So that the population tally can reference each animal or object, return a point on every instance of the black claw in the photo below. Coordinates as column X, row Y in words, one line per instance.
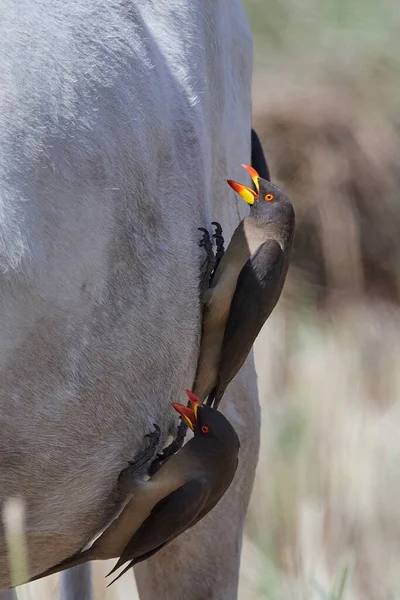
column 205, row 241
column 219, row 240
column 208, row 265
column 145, row 455
column 169, row 450
column 154, row 434
column 205, row 231
column 218, row 228
column 178, row 441
column 206, row 235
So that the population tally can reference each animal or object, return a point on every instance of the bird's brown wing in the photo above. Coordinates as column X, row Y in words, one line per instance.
column 258, row 289
column 169, row 518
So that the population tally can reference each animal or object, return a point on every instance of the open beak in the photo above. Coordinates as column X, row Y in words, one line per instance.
column 254, row 177
column 189, row 415
column 245, row 192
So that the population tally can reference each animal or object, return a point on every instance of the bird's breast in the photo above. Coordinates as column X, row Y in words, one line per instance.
column 255, row 235
column 114, row 539
column 220, row 297
column 245, row 241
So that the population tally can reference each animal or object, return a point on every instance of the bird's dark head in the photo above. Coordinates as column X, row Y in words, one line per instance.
column 268, row 202
column 207, row 422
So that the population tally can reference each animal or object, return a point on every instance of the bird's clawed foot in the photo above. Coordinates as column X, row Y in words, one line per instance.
column 169, row 450
column 143, row 456
column 208, row 266
column 207, row 244
column 211, row 262
column 219, row 240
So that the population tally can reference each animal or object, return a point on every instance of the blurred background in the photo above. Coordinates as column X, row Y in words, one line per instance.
column 324, row 520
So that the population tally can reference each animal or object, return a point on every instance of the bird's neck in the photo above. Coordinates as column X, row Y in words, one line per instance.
column 257, row 232
column 210, row 452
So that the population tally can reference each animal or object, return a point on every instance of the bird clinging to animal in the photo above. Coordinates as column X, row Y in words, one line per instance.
column 245, row 286
column 183, row 491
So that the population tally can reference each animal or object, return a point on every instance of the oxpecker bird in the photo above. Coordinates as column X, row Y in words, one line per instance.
column 183, row 491
column 245, row 286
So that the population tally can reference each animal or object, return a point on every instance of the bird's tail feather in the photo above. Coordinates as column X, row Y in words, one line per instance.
column 120, row 575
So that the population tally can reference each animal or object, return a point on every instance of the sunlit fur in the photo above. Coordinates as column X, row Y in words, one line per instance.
column 120, row 122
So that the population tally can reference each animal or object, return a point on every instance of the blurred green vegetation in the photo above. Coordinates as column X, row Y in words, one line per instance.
column 336, row 31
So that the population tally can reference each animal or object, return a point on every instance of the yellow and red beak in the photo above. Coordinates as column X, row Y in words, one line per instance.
column 189, row 415
column 245, row 192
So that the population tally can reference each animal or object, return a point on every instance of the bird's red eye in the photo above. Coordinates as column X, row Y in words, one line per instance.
column 204, row 429
column 269, row 197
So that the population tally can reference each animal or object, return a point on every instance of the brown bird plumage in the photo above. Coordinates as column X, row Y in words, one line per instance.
column 183, row 491
column 245, row 287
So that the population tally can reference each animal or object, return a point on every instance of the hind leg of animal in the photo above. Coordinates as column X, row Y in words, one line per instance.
column 203, row 563
column 76, row 583
column 8, row 594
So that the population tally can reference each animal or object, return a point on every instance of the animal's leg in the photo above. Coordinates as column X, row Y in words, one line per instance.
column 219, row 240
column 203, row 563
column 8, row 594
column 76, row 583
column 208, row 265
column 169, row 450
column 125, row 477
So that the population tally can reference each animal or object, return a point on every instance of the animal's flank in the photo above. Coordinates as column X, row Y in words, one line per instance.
column 116, row 139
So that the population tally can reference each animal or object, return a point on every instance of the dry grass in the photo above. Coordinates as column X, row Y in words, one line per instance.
column 325, row 501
